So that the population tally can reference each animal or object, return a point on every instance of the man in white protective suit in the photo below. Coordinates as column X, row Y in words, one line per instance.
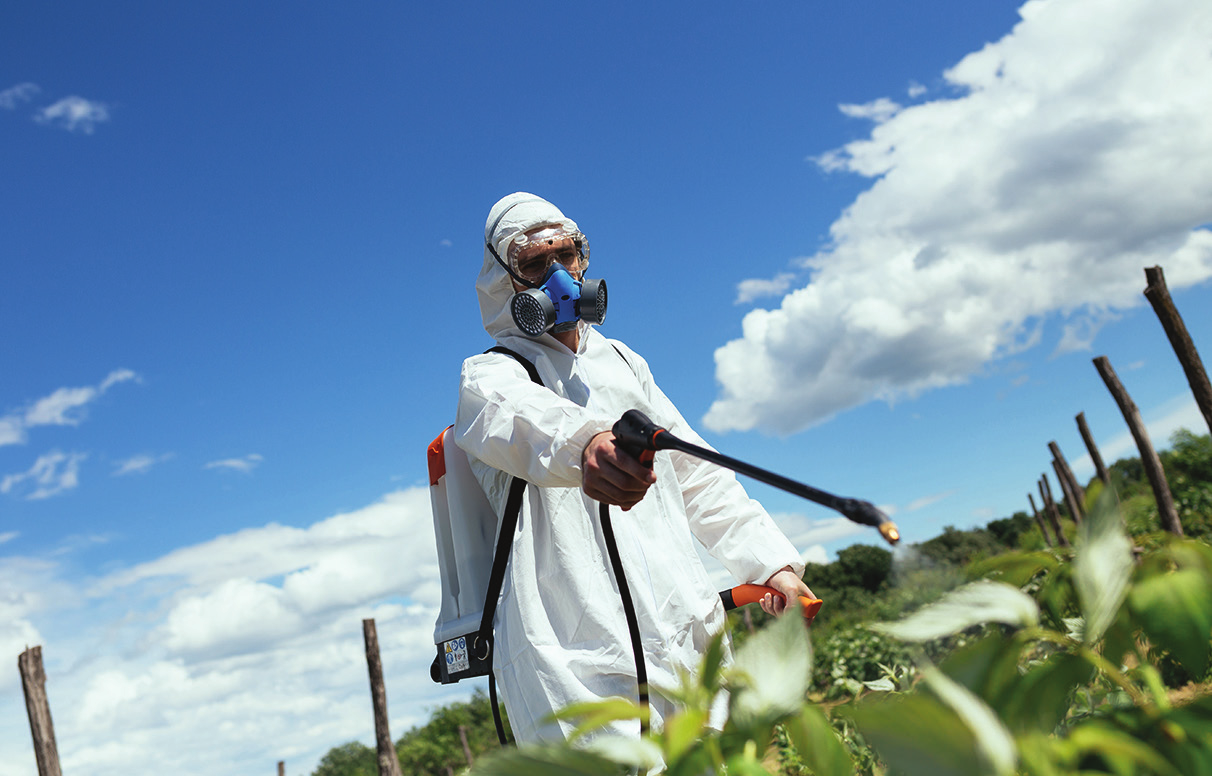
column 561, row 635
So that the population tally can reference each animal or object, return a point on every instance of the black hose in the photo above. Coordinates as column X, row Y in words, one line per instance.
column 633, row 625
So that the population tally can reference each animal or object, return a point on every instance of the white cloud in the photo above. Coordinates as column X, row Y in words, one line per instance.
column 749, row 290
column 244, row 465
column 75, row 114
column 254, row 636
column 62, row 407
column 139, row 464
column 52, row 474
column 925, row 501
column 11, row 97
column 878, row 111
column 1078, row 154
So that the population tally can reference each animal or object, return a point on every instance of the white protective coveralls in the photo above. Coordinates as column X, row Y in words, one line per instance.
column 561, row 636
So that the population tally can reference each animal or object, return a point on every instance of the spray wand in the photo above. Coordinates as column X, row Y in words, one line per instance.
column 640, row 437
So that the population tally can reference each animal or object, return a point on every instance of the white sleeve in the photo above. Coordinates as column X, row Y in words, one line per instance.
column 733, row 527
column 521, row 428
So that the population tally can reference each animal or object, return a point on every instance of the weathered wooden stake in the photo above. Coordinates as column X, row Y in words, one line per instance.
column 466, row 746
column 1039, row 520
column 389, row 763
column 1075, row 511
column 1197, row 377
column 1068, row 481
column 281, row 768
column 33, row 681
column 1148, row 456
column 1045, row 492
column 1092, row 448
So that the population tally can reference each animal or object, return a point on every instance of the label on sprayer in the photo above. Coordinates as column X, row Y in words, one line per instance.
column 456, row 655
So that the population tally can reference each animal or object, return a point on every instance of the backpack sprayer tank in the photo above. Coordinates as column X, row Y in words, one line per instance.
column 466, row 529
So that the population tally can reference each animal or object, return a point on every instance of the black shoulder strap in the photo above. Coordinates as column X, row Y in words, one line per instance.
column 500, row 557
column 509, row 519
column 525, row 362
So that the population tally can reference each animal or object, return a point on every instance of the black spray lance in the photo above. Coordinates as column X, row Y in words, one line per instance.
column 640, row 437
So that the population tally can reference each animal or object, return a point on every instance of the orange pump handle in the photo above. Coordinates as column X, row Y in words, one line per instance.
column 751, row 594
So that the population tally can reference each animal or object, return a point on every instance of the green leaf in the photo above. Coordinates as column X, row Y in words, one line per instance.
column 986, row 667
column 545, row 760
column 1039, row 700
column 641, row 753
column 1175, row 612
column 917, row 735
column 973, row 604
column 772, row 671
column 682, row 731
column 713, row 661
column 993, row 741
column 1014, row 568
column 1113, row 744
column 1102, row 566
column 599, row 714
column 817, row 744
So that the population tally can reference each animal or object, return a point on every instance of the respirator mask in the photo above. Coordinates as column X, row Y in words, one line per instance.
column 550, row 261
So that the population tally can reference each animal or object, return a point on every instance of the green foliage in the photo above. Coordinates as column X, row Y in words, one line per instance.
column 1075, row 674
column 958, row 548
column 352, row 759
column 1007, row 531
column 1046, row 673
column 435, row 745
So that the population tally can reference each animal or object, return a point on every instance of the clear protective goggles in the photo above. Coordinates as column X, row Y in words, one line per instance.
column 531, row 254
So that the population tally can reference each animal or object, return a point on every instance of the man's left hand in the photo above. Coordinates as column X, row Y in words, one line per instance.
column 792, row 587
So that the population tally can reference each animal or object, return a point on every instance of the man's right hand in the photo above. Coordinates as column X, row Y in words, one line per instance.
column 611, row 476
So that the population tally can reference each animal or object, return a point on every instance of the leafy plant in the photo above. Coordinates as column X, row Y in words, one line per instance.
column 1050, row 675
column 1062, row 684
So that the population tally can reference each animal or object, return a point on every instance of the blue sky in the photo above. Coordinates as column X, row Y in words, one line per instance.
column 872, row 246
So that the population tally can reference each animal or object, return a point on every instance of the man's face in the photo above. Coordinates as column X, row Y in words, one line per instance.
column 541, row 251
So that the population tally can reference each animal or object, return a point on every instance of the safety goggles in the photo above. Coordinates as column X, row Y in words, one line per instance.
column 532, row 254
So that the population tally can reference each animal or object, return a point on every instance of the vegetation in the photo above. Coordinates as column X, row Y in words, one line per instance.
column 981, row 652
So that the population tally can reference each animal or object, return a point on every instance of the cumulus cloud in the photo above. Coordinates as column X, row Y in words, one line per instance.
column 1076, row 153
column 254, row 636
column 243, row 465
column 75, row 114
column 52, row 474
column 13, row 96
column 63, row 407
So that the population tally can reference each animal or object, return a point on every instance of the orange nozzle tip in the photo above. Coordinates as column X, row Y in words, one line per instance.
column 889, row 531
column 811, row 607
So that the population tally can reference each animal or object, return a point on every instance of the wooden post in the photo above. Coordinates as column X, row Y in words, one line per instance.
column 281, row 768
column 1092, row 448
column 466, row 746
column 389, row 763
column 1067, row 479
column 1148, row 456
column 1075, row 510
column 1159, row 296
column 1039, row 520
column 33, row 681
column 1045, row 492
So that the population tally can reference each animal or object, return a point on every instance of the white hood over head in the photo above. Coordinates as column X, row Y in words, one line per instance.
column 510, row 216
